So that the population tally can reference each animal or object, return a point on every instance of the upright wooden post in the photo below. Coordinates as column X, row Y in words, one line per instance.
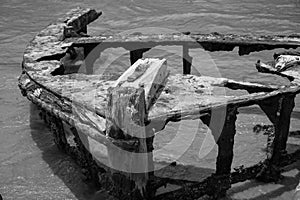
column 126, row 116
column 187, row 60
column 279, row 112
column 128, row 103
column 225, row 141
column 282, row 128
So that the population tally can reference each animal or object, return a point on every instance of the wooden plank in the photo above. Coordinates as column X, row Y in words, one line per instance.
column 210, row 42
column 292, row 72
column 49, row 43
column 183, row 96
column 149, row 73
column 126, row 117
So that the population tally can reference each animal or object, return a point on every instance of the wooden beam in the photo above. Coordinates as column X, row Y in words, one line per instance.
column 126, row 116
column 282, row 127
column 209, row 42
column 281, row 117
column 186, row 59
column 221, row 121
column 149, row 73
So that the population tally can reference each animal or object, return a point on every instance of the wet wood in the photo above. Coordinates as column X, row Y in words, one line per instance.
column 282, row 126
column 49, row 43
column 51, row 80
column 182, row 97
column 225, row 142
column 126, row 116
column 292, row 73
column 151, row 74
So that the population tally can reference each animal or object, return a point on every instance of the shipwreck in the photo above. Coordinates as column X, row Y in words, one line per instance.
column 121, row 114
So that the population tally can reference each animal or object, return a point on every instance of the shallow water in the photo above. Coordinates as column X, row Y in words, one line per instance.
column 32, row 167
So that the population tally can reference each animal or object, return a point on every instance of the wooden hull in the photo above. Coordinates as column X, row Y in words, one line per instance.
column 75, row 105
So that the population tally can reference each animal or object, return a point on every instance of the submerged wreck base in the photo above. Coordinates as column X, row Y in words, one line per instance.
column 215, row 186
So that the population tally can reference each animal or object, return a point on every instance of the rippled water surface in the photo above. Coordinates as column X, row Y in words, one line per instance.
column 31, row 167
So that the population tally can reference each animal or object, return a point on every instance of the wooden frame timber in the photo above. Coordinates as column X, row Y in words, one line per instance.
column 82, row 102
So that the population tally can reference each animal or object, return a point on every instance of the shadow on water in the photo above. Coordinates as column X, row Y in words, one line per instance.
column 60, row 163
column 65, row 168
column 284, row 189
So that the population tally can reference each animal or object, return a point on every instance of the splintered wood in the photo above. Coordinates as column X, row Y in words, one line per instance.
column 286, row 64
column 150, row 74
column 125, row 118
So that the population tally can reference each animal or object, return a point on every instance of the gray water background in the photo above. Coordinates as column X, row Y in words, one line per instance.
column 31, row 167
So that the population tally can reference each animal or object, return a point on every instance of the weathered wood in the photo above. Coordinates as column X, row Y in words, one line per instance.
column 49, row 43
column 279, row 111
column 85, row 120
column 151, row 74
column 81, row 100
column 126, row 116
column 210, row 42
column 71, row 62
column 282, row 126
column 225, row 142
column 183, row 96
column 223, row 131
column 187, row 60
column 37, row 50
column 292, row 72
